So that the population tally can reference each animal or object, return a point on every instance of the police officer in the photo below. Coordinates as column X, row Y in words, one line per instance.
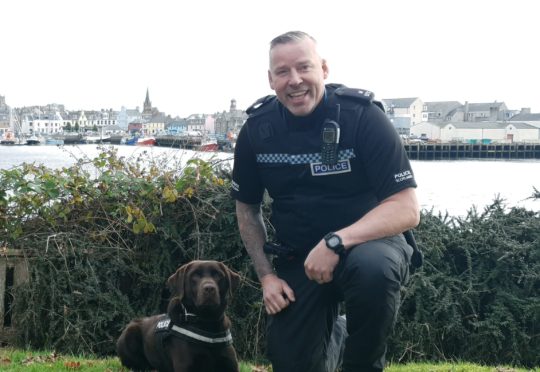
column 342, row 193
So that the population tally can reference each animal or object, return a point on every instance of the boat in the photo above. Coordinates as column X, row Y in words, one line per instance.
column 71, row 138
column 131, row 140
column 96, row 139
column 54, row 141
column 117, row 139
column 145, row 141
column 209, row 146
column 8, row 139
column 33, row 140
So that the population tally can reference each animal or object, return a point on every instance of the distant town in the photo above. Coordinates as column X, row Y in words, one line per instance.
column 414, row 119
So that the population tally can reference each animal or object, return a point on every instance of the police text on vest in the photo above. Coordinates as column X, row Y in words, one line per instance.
column 320, row 169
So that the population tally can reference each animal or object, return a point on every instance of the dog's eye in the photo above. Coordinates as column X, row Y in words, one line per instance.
column 217, row 275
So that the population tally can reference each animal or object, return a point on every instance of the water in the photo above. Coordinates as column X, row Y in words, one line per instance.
column 455, row 186
column 445, row 186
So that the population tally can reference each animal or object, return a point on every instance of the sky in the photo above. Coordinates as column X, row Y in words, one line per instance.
column 195, row 56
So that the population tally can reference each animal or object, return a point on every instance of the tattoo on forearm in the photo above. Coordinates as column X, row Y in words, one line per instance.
column 253, row 233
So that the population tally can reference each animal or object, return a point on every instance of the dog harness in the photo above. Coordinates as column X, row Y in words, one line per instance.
column 190, row 333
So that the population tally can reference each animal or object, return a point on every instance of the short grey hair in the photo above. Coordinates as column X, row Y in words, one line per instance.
column 290, row 37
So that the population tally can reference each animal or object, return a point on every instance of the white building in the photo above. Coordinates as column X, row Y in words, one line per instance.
column 525, row 116
column 43, row 124
column 100, row 119
column 196, row 123
column 126, row 116
column 404, row 107
column 442, row 111
column 486, row 132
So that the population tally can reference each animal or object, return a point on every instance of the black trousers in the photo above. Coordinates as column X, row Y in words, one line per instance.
column 309, row 336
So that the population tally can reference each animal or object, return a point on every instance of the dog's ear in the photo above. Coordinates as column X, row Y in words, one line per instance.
column 232, row 277
column 175, row 283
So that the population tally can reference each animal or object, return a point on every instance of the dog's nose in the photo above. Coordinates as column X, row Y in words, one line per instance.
column 209, row 288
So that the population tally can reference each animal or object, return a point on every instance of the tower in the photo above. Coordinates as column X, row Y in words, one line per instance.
column 147, row 106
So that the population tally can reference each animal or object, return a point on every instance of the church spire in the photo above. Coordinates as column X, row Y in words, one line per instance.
column 147, row 103
column 147, row 106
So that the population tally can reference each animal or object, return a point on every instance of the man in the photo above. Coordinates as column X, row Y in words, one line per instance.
column 342, row 194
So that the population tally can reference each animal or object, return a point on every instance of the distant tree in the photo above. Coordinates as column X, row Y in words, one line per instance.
column 94, row 128
column 76, row 127
column 68, row 128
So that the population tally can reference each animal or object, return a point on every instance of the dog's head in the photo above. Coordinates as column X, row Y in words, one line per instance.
column 202, row 287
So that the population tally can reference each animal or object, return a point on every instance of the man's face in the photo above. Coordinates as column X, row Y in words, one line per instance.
column 297, row 75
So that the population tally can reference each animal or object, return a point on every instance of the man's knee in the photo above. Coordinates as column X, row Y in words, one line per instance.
column 376, row 264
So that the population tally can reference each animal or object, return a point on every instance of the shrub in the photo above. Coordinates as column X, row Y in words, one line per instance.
column 477, row 296
column 101, row 244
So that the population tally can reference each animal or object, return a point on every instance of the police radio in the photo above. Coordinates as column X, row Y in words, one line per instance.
column 330, row 139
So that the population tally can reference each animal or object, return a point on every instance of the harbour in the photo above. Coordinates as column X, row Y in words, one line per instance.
column 188, row 142
column 452, row 186
column 415, row 150
column 458, row 151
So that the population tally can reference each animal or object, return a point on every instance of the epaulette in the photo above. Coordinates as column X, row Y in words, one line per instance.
column 259, row 103
column 358, row 94
column 379, row 105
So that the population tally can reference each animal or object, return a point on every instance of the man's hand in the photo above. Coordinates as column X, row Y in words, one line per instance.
column 277, row 294
column 320, row 263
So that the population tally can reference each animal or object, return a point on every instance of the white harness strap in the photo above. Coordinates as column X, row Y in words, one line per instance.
column 198, row 337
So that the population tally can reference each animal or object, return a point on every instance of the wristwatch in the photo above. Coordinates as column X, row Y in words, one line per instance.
column 334, row 242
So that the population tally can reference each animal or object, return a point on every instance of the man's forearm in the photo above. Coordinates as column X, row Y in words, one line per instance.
column 253, row 233
column 394, row 215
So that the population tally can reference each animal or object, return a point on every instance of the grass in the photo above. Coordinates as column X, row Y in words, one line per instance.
column 453, row 367
column 13, row 360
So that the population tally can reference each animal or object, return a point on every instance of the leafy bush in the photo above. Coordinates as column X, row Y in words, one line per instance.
column 477, row 296
column 101, row 244
column 100, row 247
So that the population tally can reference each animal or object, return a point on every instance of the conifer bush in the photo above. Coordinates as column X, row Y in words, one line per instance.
column 102, row 237
column 477, row 296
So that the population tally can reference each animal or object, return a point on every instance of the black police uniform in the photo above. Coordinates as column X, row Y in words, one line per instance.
column 281, row 153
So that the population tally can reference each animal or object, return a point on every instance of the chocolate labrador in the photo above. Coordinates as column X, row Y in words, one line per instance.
column 194, row 335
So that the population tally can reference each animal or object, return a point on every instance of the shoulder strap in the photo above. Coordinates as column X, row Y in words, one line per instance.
column 359, row 95
column 258, row 104
column 264, row 121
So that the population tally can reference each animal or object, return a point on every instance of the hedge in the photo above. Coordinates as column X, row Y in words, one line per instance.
column 102, row 237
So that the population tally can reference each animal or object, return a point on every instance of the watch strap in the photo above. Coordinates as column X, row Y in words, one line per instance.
column 339, row 248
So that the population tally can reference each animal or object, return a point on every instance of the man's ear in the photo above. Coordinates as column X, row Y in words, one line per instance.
column 325, row 68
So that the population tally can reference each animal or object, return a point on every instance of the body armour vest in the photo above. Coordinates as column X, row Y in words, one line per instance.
column 311, row 198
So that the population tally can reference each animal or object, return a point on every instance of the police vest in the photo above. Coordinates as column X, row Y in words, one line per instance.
column 311, row 198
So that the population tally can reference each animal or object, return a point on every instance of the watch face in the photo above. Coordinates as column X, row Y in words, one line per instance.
column 333, row 241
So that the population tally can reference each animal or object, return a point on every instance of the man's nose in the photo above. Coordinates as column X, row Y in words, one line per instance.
column 295, row 78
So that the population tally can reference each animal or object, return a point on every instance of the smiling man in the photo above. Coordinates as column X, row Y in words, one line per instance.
column 297, row 75
column 333, row 166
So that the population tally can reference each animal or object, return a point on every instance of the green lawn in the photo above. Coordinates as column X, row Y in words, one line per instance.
column 33, row 361
column 28, row 361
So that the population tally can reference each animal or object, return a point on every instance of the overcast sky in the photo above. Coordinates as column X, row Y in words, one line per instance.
column 195, row 56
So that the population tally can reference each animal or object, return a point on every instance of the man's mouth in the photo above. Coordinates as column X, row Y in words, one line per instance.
column 297, row 95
